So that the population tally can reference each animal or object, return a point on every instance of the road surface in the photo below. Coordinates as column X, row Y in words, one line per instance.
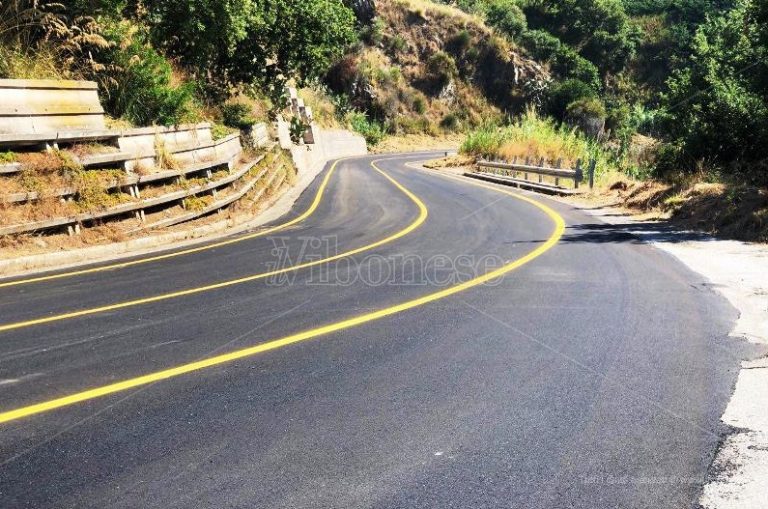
column 408, row 339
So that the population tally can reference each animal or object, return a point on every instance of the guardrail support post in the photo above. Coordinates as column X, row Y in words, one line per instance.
column 579, row 175
column 592, row 165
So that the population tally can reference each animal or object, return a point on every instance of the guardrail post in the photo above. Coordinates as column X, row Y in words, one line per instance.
column 579, row 174
column 592, row 165
column 541, row 165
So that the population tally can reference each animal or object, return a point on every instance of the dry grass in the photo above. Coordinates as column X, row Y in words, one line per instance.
column 730, row 211
column 240, row 212
column 416, row 142
column 164, row 159
column 455, row 161
column 323, row 109
column 81, row 150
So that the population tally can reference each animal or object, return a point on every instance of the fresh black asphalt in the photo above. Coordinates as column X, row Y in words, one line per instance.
column 593, row 376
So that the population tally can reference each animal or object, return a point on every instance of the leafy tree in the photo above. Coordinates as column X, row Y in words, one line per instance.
column 717, row 106
column 507, row 17
column 599, row 30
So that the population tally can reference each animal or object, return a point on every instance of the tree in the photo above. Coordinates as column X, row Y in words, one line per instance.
column 260, row 42
column 717, row 106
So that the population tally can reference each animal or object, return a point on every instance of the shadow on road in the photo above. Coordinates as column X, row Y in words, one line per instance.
column 637, row 233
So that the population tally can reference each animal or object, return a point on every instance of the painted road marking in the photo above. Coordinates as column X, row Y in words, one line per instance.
column 557, row 233
column 224, row 284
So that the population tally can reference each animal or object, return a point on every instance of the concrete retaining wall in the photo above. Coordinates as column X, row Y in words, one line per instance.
column 330, row 144
column 47, row 106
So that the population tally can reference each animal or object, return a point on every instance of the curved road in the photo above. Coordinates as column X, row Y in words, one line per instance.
column 409, row 339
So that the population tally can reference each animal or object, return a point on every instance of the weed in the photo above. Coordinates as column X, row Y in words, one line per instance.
column 196, row 203
column 237, row 116
column 219, row 131
column 7, row 157
column 420, row 105
column 164, row 158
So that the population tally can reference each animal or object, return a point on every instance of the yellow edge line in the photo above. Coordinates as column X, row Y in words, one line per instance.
column 200, row 289
column 301, row 336
column 302, row 217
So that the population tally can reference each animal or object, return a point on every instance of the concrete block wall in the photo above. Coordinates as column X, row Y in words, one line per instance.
column 47, row 106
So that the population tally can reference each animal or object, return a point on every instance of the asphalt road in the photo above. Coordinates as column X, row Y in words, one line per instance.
column 591, row 373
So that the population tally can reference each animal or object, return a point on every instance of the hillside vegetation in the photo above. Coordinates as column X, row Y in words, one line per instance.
column 672, row 89
column 692, row 74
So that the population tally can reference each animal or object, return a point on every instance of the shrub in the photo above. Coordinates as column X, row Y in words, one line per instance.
column 564, row 93
column 398, row 44
column 441, row 69
column 237, row 115
column 542, row 45
column 450, row 122
column 460, row 42
column 139, row 85
column 420, row 105
column 297, row 129
column 372, row 131
column 373, row 33
column 588, row 114
column 507, row 17
column 570, row 64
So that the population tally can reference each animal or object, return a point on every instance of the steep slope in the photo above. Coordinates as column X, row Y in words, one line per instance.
column 425, row 67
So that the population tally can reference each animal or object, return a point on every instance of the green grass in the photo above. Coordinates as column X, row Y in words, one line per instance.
column 534, row 138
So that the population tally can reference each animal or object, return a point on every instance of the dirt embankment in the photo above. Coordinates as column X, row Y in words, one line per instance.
column 730, row 211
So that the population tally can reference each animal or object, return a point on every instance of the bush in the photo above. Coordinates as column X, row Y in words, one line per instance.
column 372, row 131
column 460, row 42
column 139, row 83
column 542, row 45
column 570, row 64
column 588, row 114
column 398, row 44
column 420, row 105
column 450, row 122
column 441, row 69
column 237, row 115
column 507, row 17
column 564, row 93
column 373, row 34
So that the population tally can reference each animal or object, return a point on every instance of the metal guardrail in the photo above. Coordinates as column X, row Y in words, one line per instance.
column 520, row 173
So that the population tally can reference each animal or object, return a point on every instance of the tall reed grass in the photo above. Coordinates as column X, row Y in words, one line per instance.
column 535, row 138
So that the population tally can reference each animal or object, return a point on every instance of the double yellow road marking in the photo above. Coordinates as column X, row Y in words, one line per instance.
column 559, row 228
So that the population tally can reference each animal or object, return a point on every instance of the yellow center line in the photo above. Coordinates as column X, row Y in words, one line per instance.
column 274, row 344
column 224, row 284
column 311, row 210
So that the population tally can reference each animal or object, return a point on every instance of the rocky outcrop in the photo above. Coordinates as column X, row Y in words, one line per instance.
column 365, row 10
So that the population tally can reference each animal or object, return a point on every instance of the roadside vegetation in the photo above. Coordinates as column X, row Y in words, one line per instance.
column 671, row 90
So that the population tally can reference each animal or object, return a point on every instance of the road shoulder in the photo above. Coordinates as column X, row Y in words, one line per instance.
column 738, row 476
